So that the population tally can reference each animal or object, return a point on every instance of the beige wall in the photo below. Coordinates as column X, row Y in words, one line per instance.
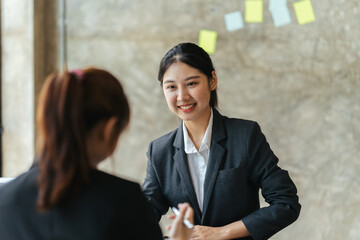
column 301, row 83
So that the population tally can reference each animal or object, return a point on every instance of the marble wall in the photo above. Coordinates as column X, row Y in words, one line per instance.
column 300, row 82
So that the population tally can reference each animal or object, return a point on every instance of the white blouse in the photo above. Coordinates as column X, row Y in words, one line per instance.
column 198, row 160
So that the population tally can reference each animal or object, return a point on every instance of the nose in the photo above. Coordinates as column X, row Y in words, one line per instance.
column 183, row 94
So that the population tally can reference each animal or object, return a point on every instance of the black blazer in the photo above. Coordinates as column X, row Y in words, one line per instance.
column 108, row 208
column 240, row 163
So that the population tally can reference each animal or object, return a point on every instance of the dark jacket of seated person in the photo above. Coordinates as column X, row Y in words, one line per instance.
column 107, row 208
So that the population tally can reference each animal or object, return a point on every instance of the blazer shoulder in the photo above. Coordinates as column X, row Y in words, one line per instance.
column 239, row 124
column 114, row 190
column 109, row 180
column 163, row 143
column 20, row 187
column 166, row 138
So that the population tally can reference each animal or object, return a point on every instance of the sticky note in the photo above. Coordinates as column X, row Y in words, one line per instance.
column 254, row 11
column 280, row 12
column 207, row 40
column 304, row 12
column 281, row 17
column 234, row 21
column 275, row 4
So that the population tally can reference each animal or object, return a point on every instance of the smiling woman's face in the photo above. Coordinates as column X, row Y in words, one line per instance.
column 187, row 91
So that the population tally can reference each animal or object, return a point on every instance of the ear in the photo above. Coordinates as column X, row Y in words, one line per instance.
column 109, row 129
column 213, row 81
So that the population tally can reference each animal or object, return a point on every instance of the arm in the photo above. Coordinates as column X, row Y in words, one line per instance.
column 178, row 230
column 230, row 231
column 276, row 186
column 152, row 190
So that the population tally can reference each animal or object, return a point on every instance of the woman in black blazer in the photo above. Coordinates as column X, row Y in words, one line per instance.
column 81, row 115
column 216, row 163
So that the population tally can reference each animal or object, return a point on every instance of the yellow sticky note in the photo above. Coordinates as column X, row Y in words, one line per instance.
column 207, row 40
column 304, row 12
column 254, row 11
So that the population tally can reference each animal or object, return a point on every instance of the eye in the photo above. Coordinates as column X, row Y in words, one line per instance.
column 192, row 83
column 170, row 87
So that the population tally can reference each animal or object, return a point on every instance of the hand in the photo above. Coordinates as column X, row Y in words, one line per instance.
column 178, row 229
column 206, row 233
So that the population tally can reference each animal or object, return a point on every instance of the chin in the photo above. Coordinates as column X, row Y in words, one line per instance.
column 187, row 118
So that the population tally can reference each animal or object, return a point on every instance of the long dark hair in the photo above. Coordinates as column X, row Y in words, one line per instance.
column 194, row 56
column 70, row 105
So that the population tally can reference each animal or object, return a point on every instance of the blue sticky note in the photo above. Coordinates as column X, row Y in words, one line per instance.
column 234, row 21
column 275, row 4
column 281, row 16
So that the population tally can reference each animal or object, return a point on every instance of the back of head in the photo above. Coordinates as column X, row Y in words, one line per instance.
column 192, row 55
column 70, row 105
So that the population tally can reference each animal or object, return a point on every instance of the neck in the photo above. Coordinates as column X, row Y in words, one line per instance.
column 197, row 128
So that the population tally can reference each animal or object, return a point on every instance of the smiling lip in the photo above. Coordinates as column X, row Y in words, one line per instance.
column 187, row 107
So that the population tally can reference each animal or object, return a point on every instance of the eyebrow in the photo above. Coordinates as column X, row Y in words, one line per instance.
column 186, row 79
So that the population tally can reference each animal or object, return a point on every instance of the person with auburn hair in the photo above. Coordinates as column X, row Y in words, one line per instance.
column 215, row 163
column 81, row 115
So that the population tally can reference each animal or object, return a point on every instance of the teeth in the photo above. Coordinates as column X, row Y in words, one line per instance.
column 187, row 107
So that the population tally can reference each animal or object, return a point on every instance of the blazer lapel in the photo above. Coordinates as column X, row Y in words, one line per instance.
column 215, row 158
column 182, row 166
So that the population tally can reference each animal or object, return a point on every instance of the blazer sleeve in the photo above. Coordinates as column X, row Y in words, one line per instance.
column 276, row 186
column 152, row 188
